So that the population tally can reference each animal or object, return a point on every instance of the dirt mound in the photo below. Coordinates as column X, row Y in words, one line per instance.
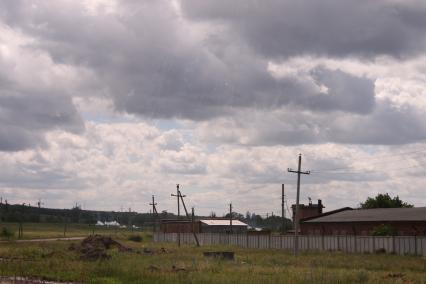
column 95, row 247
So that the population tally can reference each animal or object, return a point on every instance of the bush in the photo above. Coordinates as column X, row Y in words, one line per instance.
column 135, row 238
column 6, row 233
column 384, row 230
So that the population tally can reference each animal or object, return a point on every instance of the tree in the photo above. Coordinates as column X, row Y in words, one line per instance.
column 384, row 201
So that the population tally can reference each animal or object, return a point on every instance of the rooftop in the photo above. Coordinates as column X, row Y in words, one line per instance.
column 371, row 215
column 222, row 222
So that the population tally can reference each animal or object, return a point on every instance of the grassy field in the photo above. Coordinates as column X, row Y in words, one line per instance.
column 187, row 264
column 52, row 230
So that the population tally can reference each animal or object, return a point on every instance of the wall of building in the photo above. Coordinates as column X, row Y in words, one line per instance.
column 186, row 227
column 222, row 229
column 180, row 227
column 362, row 228
column 306, row 211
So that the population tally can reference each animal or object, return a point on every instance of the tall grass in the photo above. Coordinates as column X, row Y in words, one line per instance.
column 188, row 265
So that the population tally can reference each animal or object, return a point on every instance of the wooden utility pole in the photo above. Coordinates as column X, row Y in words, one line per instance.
column 230, row 217
column 192, row 219
column 178, row 202
column 296, row 215
column 282, row 210
column 154, row 213
column 178, row 208
column 187, row 216
column 154, row 209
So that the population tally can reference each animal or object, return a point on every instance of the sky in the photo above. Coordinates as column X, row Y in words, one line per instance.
column 105, row 103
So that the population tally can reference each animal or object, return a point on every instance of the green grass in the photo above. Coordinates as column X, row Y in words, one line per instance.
column 53, row 261
column 55, row 230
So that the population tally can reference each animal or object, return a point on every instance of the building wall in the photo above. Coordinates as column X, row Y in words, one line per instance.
column 362, row 228
column 179, row 227
column 306, row 211
column 186, row 227
column 222, row 229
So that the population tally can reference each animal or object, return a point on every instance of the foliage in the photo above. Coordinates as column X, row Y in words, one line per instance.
column 384, row 230
column 384, row 201
column 31, row 214
column 6, row 233
column 272, row 222
column 135, row 238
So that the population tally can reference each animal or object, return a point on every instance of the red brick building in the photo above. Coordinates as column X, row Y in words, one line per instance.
column 348, row 221
column 203, row 226
column 306, row 211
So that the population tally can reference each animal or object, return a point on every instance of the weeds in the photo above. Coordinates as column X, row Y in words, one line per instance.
column 187, row 264
column 6, row 233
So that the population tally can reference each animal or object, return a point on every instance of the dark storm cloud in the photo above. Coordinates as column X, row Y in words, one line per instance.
column 282, row 28
column 154, row 63
column 153, row 68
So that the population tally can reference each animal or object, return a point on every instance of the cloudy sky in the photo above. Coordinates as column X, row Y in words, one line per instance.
column 106, row 102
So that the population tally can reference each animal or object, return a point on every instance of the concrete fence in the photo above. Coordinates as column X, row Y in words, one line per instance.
column 409, row 245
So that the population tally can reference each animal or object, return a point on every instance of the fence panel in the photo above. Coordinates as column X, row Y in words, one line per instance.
column 403, row 245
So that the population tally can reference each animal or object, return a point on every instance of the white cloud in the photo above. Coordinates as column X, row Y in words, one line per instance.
column 107, row 102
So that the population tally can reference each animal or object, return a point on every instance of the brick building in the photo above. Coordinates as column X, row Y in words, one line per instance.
column 348, row 221
column 203, row 226
column 306, row 211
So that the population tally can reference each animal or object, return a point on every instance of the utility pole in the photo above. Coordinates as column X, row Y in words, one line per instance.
column 154, row 213
column 187, row 216
column 296, row 215
column 154, row 210
column 192, row 219
column 178, row 207
column 39, row 203
column 178, row 202
column 282, row 209
column 230, row 216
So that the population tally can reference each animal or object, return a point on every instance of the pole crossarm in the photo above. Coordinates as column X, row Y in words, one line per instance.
column 299, row 172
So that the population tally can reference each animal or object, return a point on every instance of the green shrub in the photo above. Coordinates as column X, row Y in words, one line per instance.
column 135, row 238
column 6, row 233
column 384, row 230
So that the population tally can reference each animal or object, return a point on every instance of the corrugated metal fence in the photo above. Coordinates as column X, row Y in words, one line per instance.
column 409, row 245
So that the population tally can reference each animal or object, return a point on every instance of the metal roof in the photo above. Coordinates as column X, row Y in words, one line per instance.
column 222, row 222
column 372, row 215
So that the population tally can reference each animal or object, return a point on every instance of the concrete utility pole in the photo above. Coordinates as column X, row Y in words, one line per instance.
column 230, row 217
column 296, row 215
column 282, row 210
